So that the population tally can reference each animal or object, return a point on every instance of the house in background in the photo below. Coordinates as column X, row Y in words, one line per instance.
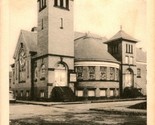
column 55, row 63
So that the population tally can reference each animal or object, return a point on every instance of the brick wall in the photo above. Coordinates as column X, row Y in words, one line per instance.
column 142, row 80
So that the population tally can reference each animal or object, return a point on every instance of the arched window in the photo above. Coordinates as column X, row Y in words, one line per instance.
column 36, row 74
column 42, row 72
column 21, row 66
column 43, row 69
column 22, row 58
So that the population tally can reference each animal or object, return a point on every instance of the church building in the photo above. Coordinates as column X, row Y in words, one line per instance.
column 55, row 63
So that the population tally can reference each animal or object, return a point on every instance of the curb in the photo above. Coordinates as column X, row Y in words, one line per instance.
column 79, row 102
column 51, row 103
column 117, row 100
column 121, row 112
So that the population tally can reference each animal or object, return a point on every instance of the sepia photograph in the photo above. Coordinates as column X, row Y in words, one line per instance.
column 78, row 62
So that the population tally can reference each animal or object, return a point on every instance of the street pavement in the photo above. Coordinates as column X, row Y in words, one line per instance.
column 74, row 114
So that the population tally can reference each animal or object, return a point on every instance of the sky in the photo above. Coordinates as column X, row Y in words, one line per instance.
column 102, row 17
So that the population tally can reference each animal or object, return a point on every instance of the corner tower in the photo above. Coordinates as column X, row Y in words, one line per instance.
column 123, row 47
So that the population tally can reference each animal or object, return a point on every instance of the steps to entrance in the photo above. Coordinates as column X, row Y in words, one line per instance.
column 62, row 94
column 131, row 92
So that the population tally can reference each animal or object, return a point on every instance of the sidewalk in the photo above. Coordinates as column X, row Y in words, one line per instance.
column 110, row 110
column 76, row 102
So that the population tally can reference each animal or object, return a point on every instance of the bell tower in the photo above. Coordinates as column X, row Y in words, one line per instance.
column 55, row 43
column 55, row 27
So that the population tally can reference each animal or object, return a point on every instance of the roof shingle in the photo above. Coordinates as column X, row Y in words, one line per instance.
column 89, row 48
column 30, row 39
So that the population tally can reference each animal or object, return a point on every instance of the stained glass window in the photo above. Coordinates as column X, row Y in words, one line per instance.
column 22, row 65
column 91, row 72
column 80, row 73
column 117, row 74
column 112, row 73
column 103, row 71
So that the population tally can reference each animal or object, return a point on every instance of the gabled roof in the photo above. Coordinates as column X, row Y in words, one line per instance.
column 29, row 39
column 122, row 35
column 79, row 35
column 140, row 55
column 91, row 48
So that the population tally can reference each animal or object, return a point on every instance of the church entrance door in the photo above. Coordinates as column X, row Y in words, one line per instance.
column 129, row 78
column 61, row 75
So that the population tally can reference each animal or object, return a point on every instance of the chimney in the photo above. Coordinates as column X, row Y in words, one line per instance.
column 34, row 29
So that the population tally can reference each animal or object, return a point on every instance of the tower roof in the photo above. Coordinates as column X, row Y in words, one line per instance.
column 122, row 35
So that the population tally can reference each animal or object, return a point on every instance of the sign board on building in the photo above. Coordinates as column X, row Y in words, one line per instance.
column 73, row 77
